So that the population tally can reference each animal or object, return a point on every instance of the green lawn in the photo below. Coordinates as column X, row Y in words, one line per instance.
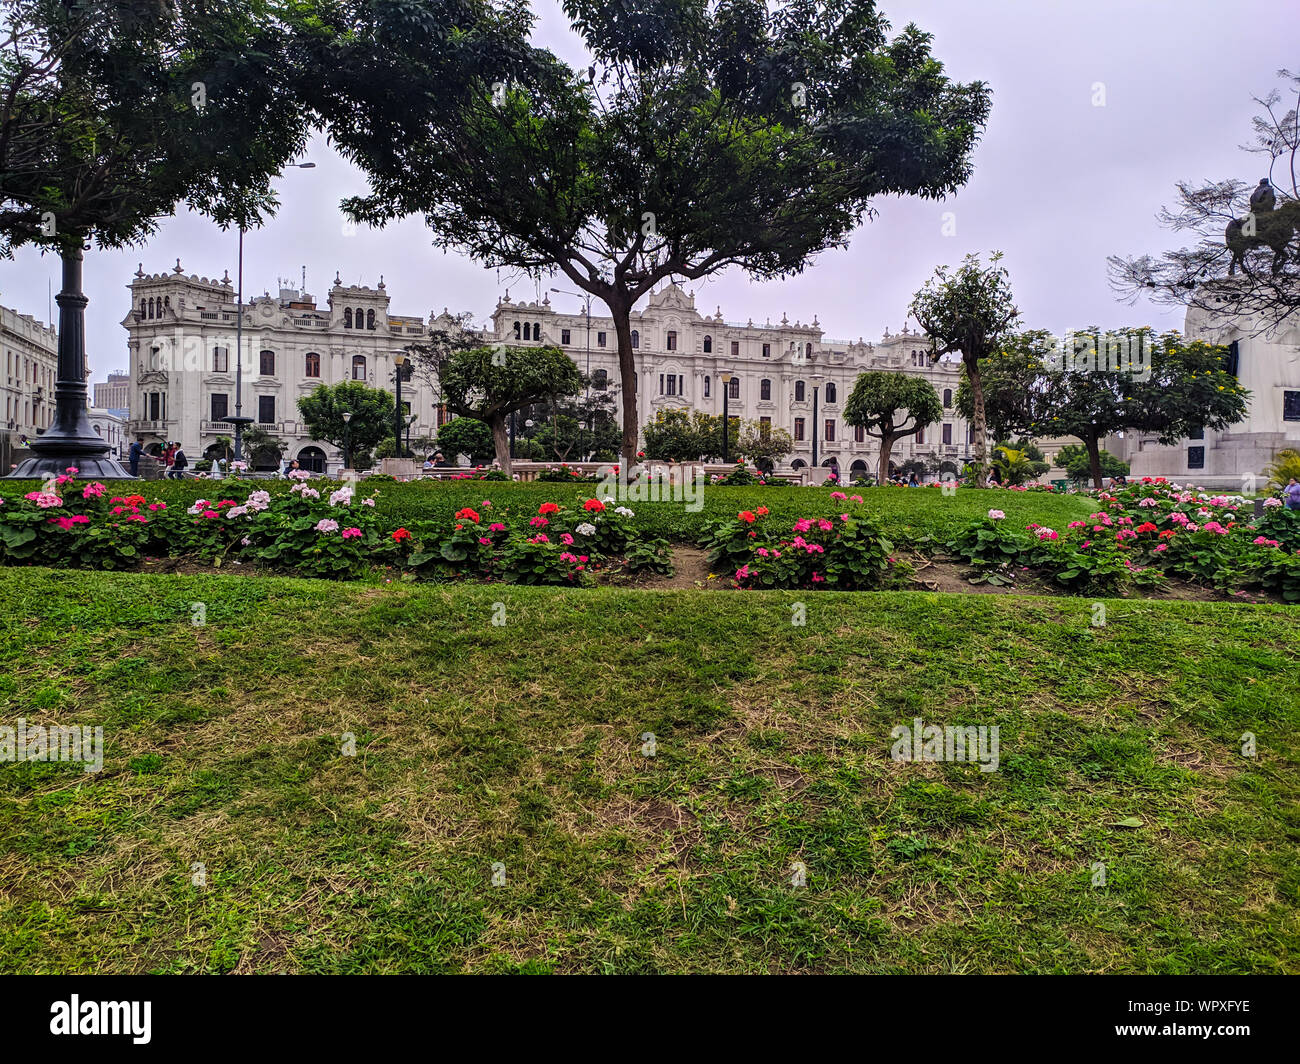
column 521, row 744
column 908, row 514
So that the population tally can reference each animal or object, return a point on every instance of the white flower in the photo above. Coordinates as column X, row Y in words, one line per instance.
column 625, row 511
column 586, row 529
column 342, row 497
column 258, row 501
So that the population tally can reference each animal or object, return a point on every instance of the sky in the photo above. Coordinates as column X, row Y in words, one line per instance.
column 1059, row 182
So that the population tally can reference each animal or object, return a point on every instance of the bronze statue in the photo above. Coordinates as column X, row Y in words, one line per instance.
column 1266, row 224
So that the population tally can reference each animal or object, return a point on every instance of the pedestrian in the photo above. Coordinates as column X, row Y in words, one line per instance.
column 911, row 479
column 179, row 464
column 292, row 467
column 1291, row 494
column 133, row 456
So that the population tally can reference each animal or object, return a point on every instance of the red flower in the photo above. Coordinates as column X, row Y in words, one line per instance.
column 548, row 508
column 747, row 516
column 467, row 515
column 761, row 511
column 1168, row 533
column 400, row 535
column 594, row 506
column 1146, row 526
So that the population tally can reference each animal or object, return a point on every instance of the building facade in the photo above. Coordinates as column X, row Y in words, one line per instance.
column 182, row 371
column 113, row 394
column 1265, row 361
column 182, row 346
column 31, row 353
column 787, row 375
column 111, row 426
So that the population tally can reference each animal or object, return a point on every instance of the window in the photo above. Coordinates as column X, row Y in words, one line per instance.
column 267, row 359
column 1232, row 360
column 807, row 350
column 830, row 428
column 767, row 350
column 947, row 434
column 636, row 338
column 707, row 382
column 798, row 391
column 600, row 339
column 358, row 318
column 859, row 434
column 537, row 330
column 708, row 344
column 528, row 330
column 1291, row 406
column 765, row 389
column 347, row 317
column 516, row 330
column 600, row 380
column 764, row 426
column 735, row 348
column 830, row 393
column 143, row 308
column 1195, row 457
column 564, row 336
column 947, row 398
column 266, row 409
column 798, row 429
column 370, row 319
column 920, row 436
column 1197, row 434
column 157, row 406
column 220, row 360
column 358, row 367
column 220, row 406
column 733, row 388
column 672, row 340
column 311, row 365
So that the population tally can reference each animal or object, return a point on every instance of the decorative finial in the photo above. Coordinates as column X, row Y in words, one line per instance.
column 139, row 270
column 178, row 267
column 338, row 281
column 226, row 279
column 381, row 280
column 784, row 319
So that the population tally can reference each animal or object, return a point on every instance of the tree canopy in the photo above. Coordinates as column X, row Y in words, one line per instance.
column 890, row 406
column 372, row 410
column 703, row 136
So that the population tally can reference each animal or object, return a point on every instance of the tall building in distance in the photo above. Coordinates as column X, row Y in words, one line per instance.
column 31, row 359
column 181, row 343
column 114, row 393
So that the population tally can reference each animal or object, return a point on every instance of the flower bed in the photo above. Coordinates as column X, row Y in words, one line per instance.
column 1140, row 536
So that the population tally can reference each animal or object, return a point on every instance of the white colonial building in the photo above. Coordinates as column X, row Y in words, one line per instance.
column 31, row 365
column 182, row 367
column 1265, row 361
column 181, row 339
column 784, row 374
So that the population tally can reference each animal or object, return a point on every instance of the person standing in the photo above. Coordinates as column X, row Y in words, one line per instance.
column 179, row 464
column 133, row 456
column 1291, row 494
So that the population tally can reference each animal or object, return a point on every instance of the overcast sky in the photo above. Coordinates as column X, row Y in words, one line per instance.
column 1058, row 185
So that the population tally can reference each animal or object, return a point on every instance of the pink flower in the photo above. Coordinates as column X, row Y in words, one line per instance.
column 482, row 539
column 1161, row 547
column 996, row 515
column 803, row 525
column 137, row 517
column 1264, row 541
column 326, row 525
column 45, row 500
column 838, row 495
column 566, row 539
column 817, row 578
column 351, row 533
column 824, row 525
column 497, row 527
column 742, row 573
column 157, row 506
column 92, row 491
column 844, row 517
column 855, row 498
column 539, row 522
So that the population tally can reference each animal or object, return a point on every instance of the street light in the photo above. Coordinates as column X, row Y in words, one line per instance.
column 587, row 394
column 400, row 371
column 238, row 420
column 817, row 387
column 347, row 439
column 726, row 421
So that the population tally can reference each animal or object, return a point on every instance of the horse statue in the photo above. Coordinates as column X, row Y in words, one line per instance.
column 1266, row 224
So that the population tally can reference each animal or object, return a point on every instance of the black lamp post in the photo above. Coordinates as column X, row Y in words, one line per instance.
column 347, row 439
column 816, row 431
column 399, row 361
column 71, row 440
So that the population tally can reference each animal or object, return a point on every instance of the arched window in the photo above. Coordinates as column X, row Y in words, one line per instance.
column 370, row 319
column 537, row 330
column 347, row 317
column 798, row 391
column 672, row 340
column 765, row 389
column 267, row 361
column 947, row 397
column 312, row 366
column 358, row 319
column 708, row 344
column 151, row 306
column 516, row 330
column 528, row 330
column 143, row 308
column 636, row 338
column 733, row 388
column 830, row 392
column 707, row 383
column 358, row 367
column 807, row 350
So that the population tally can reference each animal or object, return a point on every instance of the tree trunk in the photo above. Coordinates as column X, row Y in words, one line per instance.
column 886, row 449
column 979, row 423
column 501, row 441
column 621, row 314
column 1094, row 460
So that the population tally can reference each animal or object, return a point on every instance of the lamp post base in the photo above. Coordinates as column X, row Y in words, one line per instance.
column 54, row 454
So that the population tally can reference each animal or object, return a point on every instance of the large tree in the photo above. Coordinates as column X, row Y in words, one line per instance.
column 890, row 406
column 323, row 408
column 1245, row 259
column 702, row 136
column 489, row 383
column 1179, row 388
column 113, row 113
column 969, row 311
